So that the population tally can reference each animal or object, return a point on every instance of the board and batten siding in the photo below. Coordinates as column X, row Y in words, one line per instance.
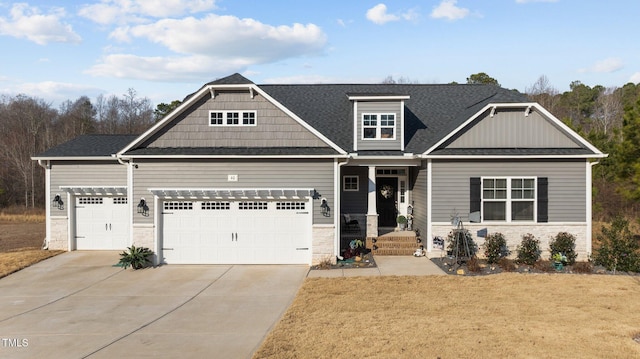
column 355, row 201
column 299, row 174
column 419, row 197
column 567, row 186
column 85, row 174
column 273, row 127
column 379, row 107
column 510, row 128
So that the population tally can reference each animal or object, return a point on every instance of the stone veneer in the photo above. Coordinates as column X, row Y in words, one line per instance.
column 59, row 236
column 513, row 235
column 143, row 237
column 323, row 242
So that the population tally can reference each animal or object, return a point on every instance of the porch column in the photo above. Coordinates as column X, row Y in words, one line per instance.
column 372, row 211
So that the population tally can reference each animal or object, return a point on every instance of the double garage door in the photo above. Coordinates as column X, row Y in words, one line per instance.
column 236, row 232
column 102, row 223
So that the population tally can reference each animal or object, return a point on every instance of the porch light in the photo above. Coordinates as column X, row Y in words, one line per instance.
column 143, row 209
column 324, row 208
column 58, row 202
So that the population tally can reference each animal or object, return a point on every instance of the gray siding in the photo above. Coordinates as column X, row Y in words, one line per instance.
column 355, row 202
column 419, row 198
column 509, row 128
column 317, row 175
column 567, row 186
column 273, row 127
column 379, row 107
column 85, row 173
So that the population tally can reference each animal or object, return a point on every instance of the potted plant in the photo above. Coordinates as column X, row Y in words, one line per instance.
column 136, row 257
column 559, row 260
column 402, row 222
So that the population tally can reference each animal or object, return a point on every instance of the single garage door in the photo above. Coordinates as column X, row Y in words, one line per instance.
column 237, row 232
column 102, row 223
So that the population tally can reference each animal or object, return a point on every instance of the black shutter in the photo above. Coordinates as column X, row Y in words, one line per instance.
column 475, row 187
column 543, row 199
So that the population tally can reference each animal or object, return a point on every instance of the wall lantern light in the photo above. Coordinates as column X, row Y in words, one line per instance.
column 324, row 208
column 143, row 209
column 57, row 200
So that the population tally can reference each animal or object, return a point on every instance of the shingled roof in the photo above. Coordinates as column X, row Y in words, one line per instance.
column 431, row 112
column 89, row 146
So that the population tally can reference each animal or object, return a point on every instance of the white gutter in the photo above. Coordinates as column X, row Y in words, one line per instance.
column 47, row 196
column 589, row 203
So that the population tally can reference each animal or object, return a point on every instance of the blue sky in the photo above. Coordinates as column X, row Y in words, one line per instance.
column 59, row 50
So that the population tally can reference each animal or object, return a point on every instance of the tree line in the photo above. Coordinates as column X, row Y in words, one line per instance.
column 609, row 117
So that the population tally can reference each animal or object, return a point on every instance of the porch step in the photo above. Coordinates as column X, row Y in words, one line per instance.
column 393, row 245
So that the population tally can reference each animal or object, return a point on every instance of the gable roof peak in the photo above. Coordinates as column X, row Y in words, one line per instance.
column 235, row 79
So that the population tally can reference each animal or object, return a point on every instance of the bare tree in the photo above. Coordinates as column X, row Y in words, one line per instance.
column 543, row 93
column 608, row 110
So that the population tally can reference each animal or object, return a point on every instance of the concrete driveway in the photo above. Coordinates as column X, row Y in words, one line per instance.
column 78, row 305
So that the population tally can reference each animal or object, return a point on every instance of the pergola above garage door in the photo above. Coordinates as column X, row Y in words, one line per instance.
column 254, row 226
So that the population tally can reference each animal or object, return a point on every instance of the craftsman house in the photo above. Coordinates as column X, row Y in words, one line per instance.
column 243, row 173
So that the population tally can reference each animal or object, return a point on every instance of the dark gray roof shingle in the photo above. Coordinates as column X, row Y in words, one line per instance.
column 90, row 146
column 227, row 151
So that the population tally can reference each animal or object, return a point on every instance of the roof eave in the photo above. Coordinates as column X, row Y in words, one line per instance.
column 492, row 157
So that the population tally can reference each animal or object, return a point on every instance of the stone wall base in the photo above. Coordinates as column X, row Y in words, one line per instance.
column 513, row 234
column 59, row 239
column 323, row 243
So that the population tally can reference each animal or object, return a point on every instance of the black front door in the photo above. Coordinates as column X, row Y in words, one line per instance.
column 386, row 189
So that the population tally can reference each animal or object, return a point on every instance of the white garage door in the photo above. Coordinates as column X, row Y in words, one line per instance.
column 102, row 223
column 237, row 232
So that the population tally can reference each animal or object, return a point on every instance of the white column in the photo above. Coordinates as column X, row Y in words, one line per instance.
column 372, row 210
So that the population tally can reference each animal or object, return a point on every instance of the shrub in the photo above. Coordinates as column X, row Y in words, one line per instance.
column 619, row 250
column 507, row 264
column 495, row 247
column 473, row 265
column 565, row 244
column 457, row 241
column 528, row 250
column 136, row 257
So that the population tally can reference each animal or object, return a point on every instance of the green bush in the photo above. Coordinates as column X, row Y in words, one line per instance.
column 495, row 247
column 456, row 240
column 136, row 257
column 565, row 244
column 528, row 250
column 619, row 250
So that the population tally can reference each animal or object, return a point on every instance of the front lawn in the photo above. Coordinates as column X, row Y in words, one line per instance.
column 508, row 315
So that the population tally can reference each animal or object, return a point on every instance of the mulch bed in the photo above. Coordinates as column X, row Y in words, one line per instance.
column 366, row 261
column 481, row 267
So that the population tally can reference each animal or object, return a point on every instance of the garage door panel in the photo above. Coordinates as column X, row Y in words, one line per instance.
column 102, row 223
column 240, row 232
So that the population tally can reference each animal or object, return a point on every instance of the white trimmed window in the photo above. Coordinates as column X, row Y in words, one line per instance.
column 378, row 126
column 509, row 199
column 350, row 183
column 232, row 118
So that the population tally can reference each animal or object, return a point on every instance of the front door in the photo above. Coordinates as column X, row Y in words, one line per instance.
column 386, row 189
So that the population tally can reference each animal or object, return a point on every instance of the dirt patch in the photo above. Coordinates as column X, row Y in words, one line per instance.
column 15, row 235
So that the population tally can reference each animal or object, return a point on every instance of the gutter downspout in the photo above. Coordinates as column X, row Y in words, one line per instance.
column 338, row 170
column 129, row 192
column 589, row 218
column 47, row 196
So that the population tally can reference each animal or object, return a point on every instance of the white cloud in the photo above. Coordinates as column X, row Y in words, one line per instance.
column 138, row 11
column 378, row 15
column 605, row 66
column 51, row 90
column 28, row 22
column 447, row 9
column 635, row 78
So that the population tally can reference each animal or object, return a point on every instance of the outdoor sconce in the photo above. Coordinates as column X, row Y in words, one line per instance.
column 324, row 208
column 58, row 201
column 143, row 209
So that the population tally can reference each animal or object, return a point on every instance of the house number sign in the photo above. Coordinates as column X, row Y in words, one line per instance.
column 232, row 178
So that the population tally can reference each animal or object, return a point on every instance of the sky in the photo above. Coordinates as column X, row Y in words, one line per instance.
column 59, row 50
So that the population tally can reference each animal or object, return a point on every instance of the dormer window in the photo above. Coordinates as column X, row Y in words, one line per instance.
column 378, row 126
column 232, row 118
